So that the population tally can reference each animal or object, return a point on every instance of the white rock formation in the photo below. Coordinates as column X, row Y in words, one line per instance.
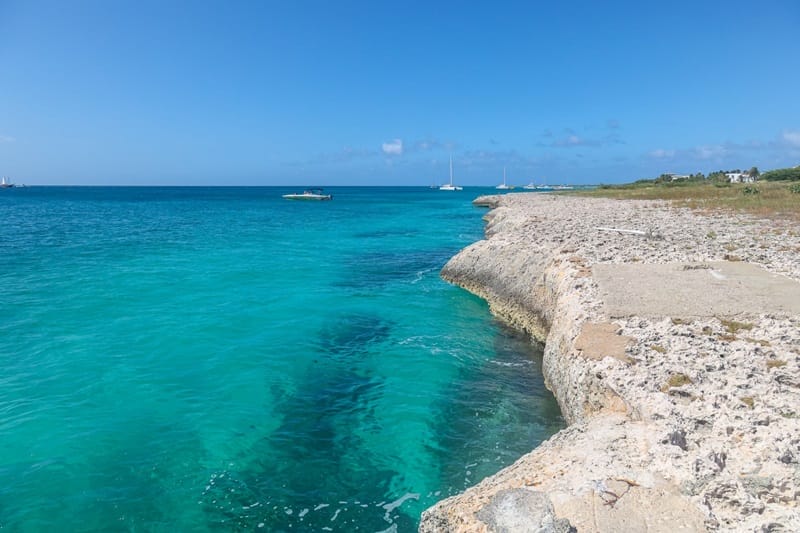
column 682, row 422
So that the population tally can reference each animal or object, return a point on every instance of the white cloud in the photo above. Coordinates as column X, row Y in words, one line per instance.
column 792, row 138
column 393, row 147
column 710, row 152
column 662, row 154
column 6, row 139
column 572, row 140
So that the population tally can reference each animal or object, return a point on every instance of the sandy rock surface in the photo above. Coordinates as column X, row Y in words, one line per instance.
column 682, row 417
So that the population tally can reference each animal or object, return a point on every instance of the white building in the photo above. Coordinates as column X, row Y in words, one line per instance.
column 739, row 177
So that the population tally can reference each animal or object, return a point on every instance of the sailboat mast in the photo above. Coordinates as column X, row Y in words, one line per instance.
column 451, row 170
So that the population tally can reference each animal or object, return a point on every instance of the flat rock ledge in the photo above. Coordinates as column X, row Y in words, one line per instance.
column 673, row 348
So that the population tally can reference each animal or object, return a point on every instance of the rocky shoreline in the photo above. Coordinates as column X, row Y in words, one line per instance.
column 672, row 343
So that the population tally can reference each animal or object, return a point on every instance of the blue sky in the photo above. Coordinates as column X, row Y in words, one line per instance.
column 381, row 93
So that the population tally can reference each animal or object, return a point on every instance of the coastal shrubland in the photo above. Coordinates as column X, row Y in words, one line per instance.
column 766, row 198
column 782, row 174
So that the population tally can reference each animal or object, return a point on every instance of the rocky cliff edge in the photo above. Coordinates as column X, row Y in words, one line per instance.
column 672, row 344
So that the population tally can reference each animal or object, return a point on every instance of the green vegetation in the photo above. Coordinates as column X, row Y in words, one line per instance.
column 769, row 199
column 748, row 401
column 762, row 342
column 782, row 174
column 677, row 380
column 733, row 326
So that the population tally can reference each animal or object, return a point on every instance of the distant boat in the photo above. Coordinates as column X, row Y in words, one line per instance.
column 533, row 187
column 503, row 185
column 450, row 186
column 5, row 184
column 563, row 187
column 309, row 194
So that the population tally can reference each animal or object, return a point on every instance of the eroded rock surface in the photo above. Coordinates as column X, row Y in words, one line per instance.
column 682, row 418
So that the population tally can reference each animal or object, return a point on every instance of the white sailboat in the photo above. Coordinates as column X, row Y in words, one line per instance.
column 5, row 184
column 503, row 185
column 450, row 186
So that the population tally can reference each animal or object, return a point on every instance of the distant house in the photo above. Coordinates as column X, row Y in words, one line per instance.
column 739, row 177
column 677, row 177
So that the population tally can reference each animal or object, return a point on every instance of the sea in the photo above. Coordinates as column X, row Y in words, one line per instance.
column 222, row 359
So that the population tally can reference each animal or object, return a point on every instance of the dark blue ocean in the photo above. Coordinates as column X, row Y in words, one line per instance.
column 192, row 359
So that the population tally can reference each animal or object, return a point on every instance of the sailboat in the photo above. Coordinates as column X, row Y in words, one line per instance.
column 503, row 185
column 5, row 184
column 450, row 186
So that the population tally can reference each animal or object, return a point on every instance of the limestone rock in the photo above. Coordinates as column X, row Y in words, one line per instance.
column 683, row 416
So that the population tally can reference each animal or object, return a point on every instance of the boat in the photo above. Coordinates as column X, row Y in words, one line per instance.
column 450, row 186
column 503, row 185
column 5, row 184
column 533, row 187
column 546, row 188
column 309, row 194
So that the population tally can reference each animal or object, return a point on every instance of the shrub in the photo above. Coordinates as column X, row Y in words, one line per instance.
column 782, row 174
column 750, row 189
column 795, row 188
column 733, row 326
column 679, row 380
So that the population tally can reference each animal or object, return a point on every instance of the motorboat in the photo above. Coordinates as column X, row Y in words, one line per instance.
column 533, row 187
column 308, row 194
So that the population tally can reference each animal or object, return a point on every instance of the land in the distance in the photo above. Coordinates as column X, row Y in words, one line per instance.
column 764, row 197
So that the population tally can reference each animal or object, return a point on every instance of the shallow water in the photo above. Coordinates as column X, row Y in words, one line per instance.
column 220, row 358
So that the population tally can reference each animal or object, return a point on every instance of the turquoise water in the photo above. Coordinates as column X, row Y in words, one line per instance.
column 223, row 359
